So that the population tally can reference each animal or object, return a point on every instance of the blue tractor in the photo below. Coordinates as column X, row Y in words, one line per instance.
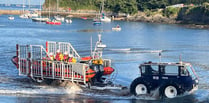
column 169, row 79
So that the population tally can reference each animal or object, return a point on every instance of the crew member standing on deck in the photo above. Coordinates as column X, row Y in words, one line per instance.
column 71, row 59
column 59, row 56
column 66, row 57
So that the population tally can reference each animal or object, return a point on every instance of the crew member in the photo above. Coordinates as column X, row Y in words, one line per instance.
column 71, row 59
column 65, row 57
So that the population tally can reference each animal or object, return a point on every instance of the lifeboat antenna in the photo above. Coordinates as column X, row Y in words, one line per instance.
column 99, row 47
column 180, row 60
column 91, row 44
column 160, row 56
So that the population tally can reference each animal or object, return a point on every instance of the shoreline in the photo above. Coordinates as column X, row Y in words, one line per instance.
column 137, row 18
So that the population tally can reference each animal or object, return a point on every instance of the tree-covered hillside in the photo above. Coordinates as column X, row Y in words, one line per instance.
column 124, row 6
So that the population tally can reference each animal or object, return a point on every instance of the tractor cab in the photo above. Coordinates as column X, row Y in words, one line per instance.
column 172, row 79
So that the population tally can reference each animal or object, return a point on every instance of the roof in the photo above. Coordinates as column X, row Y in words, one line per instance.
column 167, row 63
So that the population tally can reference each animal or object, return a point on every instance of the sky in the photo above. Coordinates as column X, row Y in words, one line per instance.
column 33, row 2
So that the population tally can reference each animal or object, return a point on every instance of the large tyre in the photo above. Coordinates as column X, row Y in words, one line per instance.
column 139, row 87
column 170, row 91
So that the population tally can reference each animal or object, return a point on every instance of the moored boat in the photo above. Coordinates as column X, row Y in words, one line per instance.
column 104, row 18
column 117, row 28
column 11, row 17
column 40, row 19
column 54, row 22
column 69, row 21
column 97, row 21
column 59, row 18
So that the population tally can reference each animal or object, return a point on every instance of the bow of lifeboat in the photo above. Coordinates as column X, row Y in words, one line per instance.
column 15, row 61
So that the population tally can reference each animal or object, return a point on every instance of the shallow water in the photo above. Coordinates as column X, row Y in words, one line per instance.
column 135, row 44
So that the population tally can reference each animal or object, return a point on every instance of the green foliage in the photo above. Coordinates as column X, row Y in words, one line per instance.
column 206, row 5
column 151, row 4
column 171, row 11
column 78, row 4
column 124, row 6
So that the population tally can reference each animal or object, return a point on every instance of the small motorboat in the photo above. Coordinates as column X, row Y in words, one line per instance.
column 53, row 22
column 117, row 28
column 59, row 18
column 11, row 17
column 69, row 21
column 40, row 19
column 84, row 18
column 97, row 21
column 105, row 19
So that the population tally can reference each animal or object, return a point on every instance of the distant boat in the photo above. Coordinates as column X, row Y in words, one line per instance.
column 40, row 19
column 11, row 17
column 103, row 17
column 24, row 16
column 59, row 18
column 54, row 22
column 33, row 14
column 97, row 21
column 117, row 28
column 28, row 15
column 69, row 21
column 84, row 18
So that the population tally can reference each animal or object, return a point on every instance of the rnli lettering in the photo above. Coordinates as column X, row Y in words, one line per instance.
column 164, row 77
column 155, row 77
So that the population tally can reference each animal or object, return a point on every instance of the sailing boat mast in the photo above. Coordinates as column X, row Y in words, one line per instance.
column 23, row 6
column 49, row 9
column 40, row 8
column 57, row 5
column 29, row 4
column 102, row 10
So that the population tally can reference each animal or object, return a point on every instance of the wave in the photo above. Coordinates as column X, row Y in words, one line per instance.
column 41, row 90
column 2, row 25
column 135, row 50
column 121, row 49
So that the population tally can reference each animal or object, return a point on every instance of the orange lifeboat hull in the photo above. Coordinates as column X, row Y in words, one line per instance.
column 86, row 58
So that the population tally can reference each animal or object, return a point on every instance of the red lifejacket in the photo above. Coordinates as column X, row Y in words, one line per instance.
column 70, row 59
column 57, row 57
column 65, row 58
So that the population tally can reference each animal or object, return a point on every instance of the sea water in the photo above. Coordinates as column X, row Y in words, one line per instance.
column 136, row 43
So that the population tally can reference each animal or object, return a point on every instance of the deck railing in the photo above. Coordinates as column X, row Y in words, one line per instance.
column 33, row 61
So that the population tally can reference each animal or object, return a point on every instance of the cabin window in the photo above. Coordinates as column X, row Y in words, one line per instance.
column 154, row 69
column 184, row 71
column 191, row 71
column 171, row 70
